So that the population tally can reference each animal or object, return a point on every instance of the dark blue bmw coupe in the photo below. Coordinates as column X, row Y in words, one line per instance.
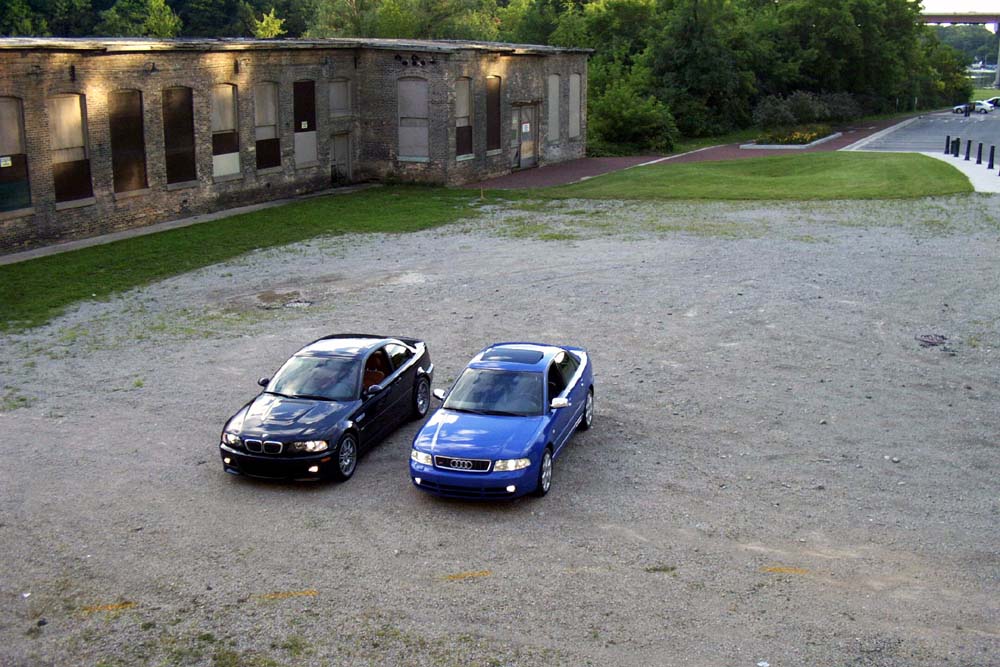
column 331, row 401
column 504, row 422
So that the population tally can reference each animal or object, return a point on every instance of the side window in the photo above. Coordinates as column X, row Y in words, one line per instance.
column 68, row 136
column 128, row 142
column 14, row 190
column 493, row 113
column 340, row 97
column 377, row 368
column 178, row 134
column 399, row 354
column 265, row 115
column 575, row 105
column 414, row 129
column 567, row 365
column 225, row 137
column 463, row 117
column 555, row 381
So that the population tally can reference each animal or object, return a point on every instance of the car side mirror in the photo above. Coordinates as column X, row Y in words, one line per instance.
column 558, row 403
column 263, row 381
column 439, row 394
column 372, row 390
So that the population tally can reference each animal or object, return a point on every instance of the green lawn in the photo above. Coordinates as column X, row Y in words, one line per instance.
column 33, row 292
column 806, row 176
column 984, row 94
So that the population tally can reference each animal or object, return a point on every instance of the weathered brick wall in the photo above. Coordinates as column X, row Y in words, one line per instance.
column 34, row 75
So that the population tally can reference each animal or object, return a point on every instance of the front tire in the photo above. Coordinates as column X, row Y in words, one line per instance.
column 345, row 457
column 544, row 474
column 588, row 412
column 421, row 398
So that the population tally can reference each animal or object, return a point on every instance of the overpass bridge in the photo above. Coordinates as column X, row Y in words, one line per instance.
column 968, row 18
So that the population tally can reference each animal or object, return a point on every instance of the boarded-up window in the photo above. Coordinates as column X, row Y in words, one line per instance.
column 553, row 102
column 128, row 143
column 265, row 114
column 225, row 135
column 340, row 97
column 463, row 117
column 492, row 113
column 14, row 190
column 178, row 134
column 68, row 141
column 574, row 105
column 304, row 113
column 413, row 127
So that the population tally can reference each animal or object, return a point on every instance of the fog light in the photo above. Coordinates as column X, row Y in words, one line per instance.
column 511, row 489
column 417, row 480
column 227, row 460
column 314, row 469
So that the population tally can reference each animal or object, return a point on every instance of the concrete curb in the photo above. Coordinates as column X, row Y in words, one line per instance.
column 981, row 178
column 861, row 143
column 47, row 251
column 791, row 147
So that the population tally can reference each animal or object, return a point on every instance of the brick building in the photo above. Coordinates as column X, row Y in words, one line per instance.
column 99, row 135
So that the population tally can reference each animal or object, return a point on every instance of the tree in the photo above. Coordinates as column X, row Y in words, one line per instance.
column 18, row 19
column 269, row 26
column 700, row 65
column 139, row 18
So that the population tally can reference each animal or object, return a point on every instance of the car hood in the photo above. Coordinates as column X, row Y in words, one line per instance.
column 466, row 435
column 280, row 417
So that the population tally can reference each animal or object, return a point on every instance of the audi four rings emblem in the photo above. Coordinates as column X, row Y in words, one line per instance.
column 461, row 465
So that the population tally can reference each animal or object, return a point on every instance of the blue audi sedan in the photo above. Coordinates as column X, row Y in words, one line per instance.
column 504, row 422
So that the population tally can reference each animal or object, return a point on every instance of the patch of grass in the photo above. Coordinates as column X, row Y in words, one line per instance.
column 984, row 94
column 13, row 399
column 804, row 177
column 296, row 645
column 35, row 291
column 660, row 568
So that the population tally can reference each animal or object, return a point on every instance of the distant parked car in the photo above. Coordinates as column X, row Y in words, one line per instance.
column 994, row 102
column 332, row 400
column 504, row 422
column 976, row 107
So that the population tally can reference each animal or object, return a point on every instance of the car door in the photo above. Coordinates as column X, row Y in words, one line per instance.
column 371, row 419
column 400, row 385
column 562, row 418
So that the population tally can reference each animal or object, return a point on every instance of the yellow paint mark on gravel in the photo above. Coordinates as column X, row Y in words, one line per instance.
column 118, row 606
column 468, row 575
column 282, row 595
column 784, row 570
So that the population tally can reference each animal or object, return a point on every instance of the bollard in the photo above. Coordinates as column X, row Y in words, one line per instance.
column 979, row 154
column 968, row 149
column 947, row 144
column 954, row 146
column 993, row 150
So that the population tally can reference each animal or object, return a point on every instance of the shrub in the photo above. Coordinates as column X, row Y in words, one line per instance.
column 841, row 107
column 773, row 111
column 621, row 116
column 806, row 107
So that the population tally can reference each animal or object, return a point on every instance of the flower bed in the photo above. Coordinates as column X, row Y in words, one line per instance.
column 803, row 134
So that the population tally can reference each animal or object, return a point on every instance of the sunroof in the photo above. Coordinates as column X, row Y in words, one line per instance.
column 513, row 354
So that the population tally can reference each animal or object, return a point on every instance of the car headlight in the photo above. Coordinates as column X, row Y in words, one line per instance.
column 230, row 439
column 310, row 446
column 511, row 464
column 421, row 457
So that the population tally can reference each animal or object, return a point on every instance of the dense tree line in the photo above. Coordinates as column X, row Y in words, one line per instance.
column 660, row 67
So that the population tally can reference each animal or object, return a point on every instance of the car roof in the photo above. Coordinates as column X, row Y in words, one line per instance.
column 346, row 345
column 516, row 356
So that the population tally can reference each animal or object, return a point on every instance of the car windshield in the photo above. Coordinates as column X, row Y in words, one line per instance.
column 323, row 378
column 495, row 392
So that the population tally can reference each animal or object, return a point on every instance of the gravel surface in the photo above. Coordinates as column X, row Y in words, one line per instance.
column 779, row 471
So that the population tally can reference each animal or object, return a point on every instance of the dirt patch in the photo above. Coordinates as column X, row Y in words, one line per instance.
column 778, row 472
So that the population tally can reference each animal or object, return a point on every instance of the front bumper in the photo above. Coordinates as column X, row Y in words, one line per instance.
column 276, row 467
column 473, row 485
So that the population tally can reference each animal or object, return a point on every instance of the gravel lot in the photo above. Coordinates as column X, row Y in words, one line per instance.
column 779, row 473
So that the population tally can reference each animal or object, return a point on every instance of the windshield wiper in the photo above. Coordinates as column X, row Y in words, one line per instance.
column 312, row 397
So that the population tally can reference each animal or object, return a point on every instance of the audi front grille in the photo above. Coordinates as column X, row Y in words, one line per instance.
column 462, row 465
